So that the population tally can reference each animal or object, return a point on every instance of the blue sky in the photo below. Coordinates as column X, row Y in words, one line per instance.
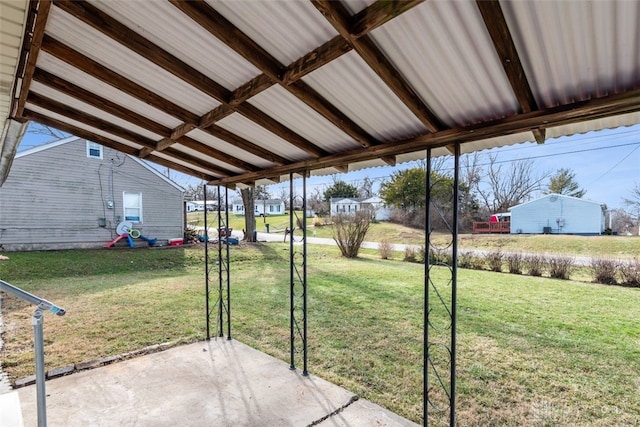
column 606, row 163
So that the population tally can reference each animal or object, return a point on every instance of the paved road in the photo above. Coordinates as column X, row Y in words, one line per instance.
column 274, row 237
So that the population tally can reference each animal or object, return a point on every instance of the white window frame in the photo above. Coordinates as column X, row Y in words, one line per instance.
column 94, row 146
column 126, row 206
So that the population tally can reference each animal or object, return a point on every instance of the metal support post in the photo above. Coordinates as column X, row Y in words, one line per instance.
column 206, row 265
column 223, row 299
column 38, row 345
column 38, row 335
column 298, row 273
column 440, row 294
column 227, row 263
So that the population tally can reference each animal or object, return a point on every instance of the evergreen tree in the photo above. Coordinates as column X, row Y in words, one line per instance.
column 564, row 182
column 340, row 189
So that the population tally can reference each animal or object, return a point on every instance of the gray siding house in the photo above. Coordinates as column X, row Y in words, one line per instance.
column 558, row 214
column 73, row 193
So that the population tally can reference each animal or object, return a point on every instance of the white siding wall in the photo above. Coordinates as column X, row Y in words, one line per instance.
column 54, row 199
column 576, row 216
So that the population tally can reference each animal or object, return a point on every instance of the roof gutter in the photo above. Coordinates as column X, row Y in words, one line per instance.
column 11, row 137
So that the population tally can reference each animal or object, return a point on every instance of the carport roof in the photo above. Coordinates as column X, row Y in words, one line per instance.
column 250, row 91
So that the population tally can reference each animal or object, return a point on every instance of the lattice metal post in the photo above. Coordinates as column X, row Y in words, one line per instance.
column 207, row 266
column 223, row 266
column 298, row 273
column 220, row 264
column 439, row 370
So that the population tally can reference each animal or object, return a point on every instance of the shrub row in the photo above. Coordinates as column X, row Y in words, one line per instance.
column 604, row 270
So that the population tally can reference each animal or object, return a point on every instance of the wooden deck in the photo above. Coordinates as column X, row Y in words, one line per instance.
column 492, row 227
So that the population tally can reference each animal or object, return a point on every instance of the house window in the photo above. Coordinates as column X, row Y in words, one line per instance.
column 94, row 151
column 132, row 203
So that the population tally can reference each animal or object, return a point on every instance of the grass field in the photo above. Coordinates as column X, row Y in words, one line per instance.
column 613, row 246
column 531, row 351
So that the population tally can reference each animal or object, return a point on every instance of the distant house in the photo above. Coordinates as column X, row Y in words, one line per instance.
column 350, row 205
column 264, row 207
column 198, row 205
column 73, row 193
column 558, row 214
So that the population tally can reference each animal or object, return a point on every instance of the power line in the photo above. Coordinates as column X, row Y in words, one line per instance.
column 614, row 166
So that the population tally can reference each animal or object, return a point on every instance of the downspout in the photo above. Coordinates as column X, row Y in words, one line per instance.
column 13, row 133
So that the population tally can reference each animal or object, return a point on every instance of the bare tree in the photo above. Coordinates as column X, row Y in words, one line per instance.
column 365, row 190
column 505, row 187
column 633, row 204
column 284, row 196
column 316, row 202
column 40, row 129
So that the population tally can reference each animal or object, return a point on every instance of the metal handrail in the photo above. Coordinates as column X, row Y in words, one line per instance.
column 38, row 332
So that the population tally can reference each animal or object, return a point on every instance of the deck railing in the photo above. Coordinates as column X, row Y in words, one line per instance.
column 492, row 227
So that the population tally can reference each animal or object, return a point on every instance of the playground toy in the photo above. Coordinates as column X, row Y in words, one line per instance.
column 125, row 231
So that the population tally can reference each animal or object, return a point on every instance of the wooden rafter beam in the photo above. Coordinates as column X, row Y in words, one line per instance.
column 337, row 14
column 216, row 154
column 93, row 68
column 30, row 56
column 322, row 55
column 370, row 18
column 107, row 142
column 61, row 85
column 277, row 128
column 505, row 47
column 592, row 109
column 217, row 25
column 116, row 110
column 389, row 160
column 119, row 32
column 249, row 147
column 113, row 29
column 120, row 132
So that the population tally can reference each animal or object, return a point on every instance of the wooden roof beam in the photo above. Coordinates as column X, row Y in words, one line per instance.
column 107, row 142
column 592, row 109
column 376, row 14
column 389, row 160
column 120, row 132
column 249, row 147
column 217, row 25
column 337, row 14
column 119, row 32
column 277, row 128
column 503, row 43
column 216, row 154
column 27, row 64
column 83, row 95
column 110, row 107
column 93, row 68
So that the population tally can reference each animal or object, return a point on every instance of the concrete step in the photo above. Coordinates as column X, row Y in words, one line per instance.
column 10, row 411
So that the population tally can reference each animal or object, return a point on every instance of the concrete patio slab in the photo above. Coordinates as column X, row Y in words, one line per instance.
column 217, row 383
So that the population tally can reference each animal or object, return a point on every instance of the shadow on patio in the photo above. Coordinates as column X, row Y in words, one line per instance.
column 216, row 383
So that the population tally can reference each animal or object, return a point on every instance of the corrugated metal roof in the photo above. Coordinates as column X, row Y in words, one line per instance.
column 299, row 117
column 263, row 89
column 286, row 29
column 453, row 46
column 577, row 50
column 97, row 46
column 349, row 84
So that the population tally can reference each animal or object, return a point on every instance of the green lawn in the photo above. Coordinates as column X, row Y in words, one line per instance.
column 615, row 246
column 531, row 351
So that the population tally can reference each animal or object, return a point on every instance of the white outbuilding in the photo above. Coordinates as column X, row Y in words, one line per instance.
column 558, row 214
